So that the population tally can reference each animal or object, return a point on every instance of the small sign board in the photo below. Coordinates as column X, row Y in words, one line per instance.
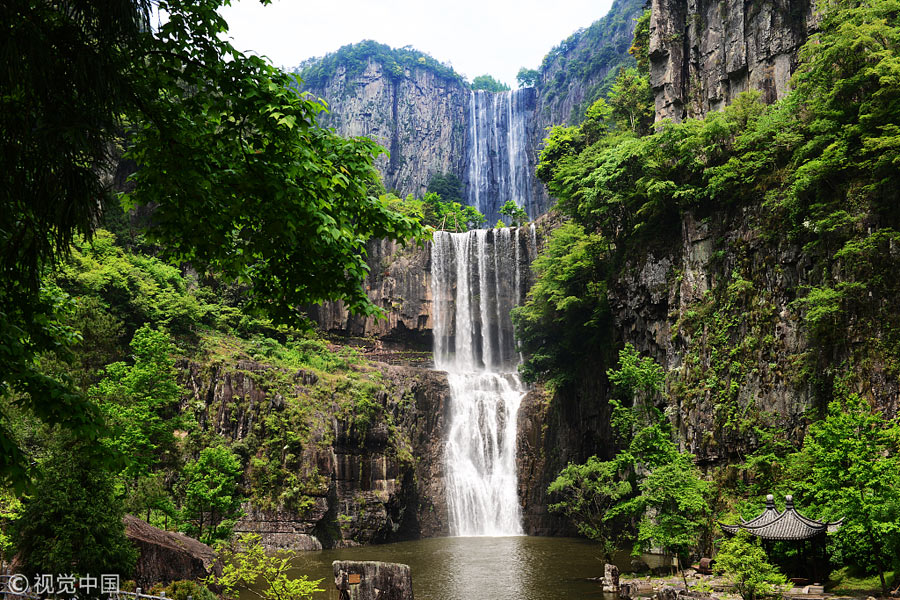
column 354, row 578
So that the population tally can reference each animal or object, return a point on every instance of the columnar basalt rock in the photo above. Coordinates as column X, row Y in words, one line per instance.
column 372, row 580
column 704, row 53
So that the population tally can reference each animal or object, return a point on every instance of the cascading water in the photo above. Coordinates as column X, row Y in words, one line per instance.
column 498, row 163
column 477, row 278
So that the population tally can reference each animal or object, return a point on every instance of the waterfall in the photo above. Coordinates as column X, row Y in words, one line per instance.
column 498, row 167
column 477, row 278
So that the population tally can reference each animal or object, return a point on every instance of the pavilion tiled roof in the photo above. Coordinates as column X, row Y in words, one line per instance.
column 787, row 525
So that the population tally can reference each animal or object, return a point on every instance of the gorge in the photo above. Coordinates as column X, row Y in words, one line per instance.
column 660, row 289
column 700, row 311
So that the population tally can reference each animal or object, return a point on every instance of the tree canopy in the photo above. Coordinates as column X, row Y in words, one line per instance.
column 489, row 84
column 240, row 180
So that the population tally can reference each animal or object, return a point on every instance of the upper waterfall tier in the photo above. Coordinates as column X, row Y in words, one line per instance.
column 498, row 166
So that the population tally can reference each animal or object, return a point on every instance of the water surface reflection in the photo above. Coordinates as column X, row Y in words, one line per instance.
column 474, row 568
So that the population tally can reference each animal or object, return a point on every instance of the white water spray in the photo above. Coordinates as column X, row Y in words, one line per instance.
column 477, row 278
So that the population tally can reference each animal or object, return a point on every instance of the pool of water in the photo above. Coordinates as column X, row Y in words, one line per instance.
column 475, row 568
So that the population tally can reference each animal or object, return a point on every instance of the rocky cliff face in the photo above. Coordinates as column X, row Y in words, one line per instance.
column 399, row 282
column 704, row 53
column 420, row 118
column 715, row 306
column 364, row 482
column 432, row 124
column 574, row 73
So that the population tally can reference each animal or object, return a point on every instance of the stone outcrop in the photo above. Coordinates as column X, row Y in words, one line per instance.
column 378, row 483
column 372, row 580
column 399, row 282
column 166, row 556
column 704, row 53
column 419, row 117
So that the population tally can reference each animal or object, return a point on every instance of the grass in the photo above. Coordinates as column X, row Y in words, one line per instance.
column 843, row 583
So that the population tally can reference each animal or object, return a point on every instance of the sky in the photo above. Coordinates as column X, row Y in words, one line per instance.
column 496, row 37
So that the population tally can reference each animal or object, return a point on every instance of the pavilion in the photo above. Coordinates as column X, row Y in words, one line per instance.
column 806, row 536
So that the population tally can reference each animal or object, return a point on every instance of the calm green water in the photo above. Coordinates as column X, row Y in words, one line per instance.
column 476, row 568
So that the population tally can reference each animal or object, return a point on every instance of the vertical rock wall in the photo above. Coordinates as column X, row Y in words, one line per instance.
column 420, row 118
column 399, row 282
column 703, row 53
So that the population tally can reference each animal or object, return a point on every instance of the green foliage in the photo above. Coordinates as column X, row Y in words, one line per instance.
column 240, row 179
column 807, row 160
column 743, row 561
column 816, row 169
column 151, row 497
column 212, row 501
column 30, row 327
column 590, row 57
column 528, row 77
column 10, row 511
column 355, row 57
column 448, row 186
column 586, row 493
column 137, row 288
column 597, row 122
column 636, row 374
column 640, row 47
column 566, row 314
column 433, row 212
column 140, row 402
column 515, row 213
column 184, row 589
column 631, row 101
column 850, row 465
column 59, row 110
column 72, row 522
column 488, row 84
column 68, row 79
column 251, row 570
column 673, row 502
column 649, row 482
column 265, row 196
column 848, row 81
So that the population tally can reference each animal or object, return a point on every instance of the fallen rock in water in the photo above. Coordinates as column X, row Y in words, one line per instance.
column 610, row 578
column 372, row 580
column 166, row 556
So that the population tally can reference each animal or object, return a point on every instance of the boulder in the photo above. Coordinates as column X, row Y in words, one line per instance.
column 166, row 556
column 639, row 566
column 667, row 592
column 372, row 580
column 610, row 578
